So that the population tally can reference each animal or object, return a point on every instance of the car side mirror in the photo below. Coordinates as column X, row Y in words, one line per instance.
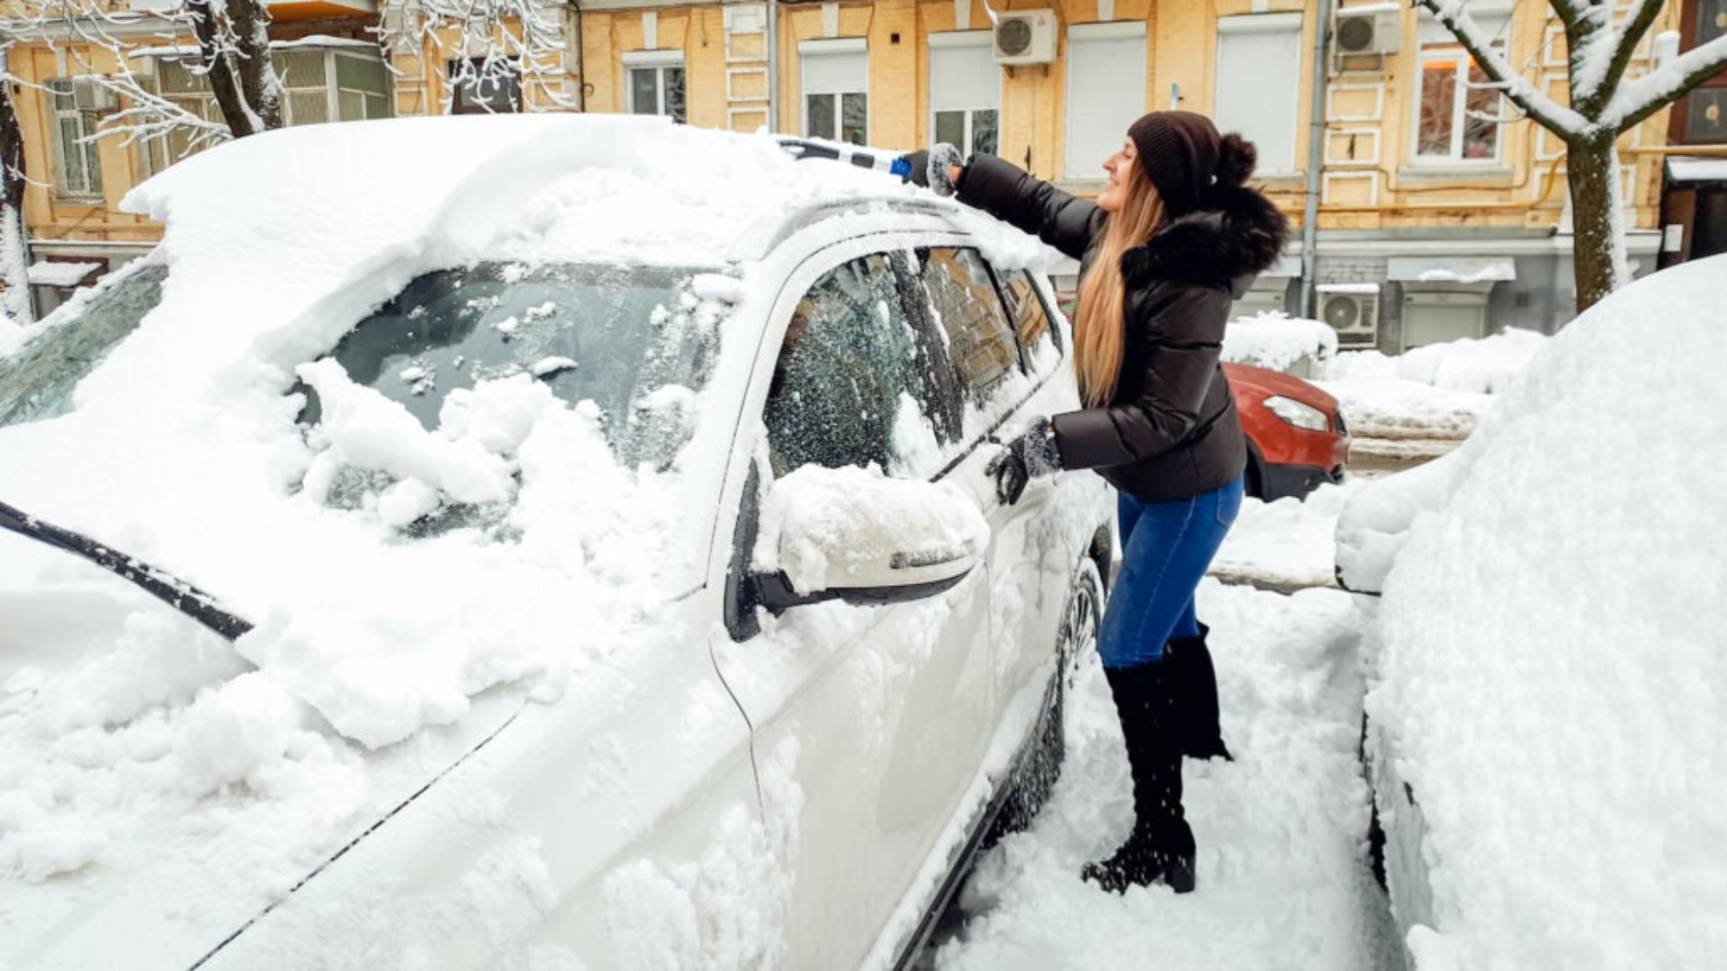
column 856, row 535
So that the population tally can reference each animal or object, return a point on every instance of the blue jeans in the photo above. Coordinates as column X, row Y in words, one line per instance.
column 1166, row 548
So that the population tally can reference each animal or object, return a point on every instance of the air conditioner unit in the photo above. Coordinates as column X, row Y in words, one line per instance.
column 1353, row 311
column 1025, row 37
column 89, row 94
column 1368, row 30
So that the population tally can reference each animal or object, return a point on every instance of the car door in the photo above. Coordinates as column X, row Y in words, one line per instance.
column 879, row 715
column 1006, row 350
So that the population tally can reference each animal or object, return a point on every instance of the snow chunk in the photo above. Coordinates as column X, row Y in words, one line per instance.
column 547, row 366
column 367, row 430
column 717, row 286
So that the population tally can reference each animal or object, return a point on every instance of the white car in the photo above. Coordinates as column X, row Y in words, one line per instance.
column 609, row 501
column 1544, row 661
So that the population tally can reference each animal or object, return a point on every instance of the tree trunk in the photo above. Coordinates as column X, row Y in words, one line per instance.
column 241, row 76
column 1597, row 218
column 14, row 262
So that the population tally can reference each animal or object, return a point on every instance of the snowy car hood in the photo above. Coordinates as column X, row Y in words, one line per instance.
column 159, row 784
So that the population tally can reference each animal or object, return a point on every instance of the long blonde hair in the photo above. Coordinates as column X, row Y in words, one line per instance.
column 1099, row 330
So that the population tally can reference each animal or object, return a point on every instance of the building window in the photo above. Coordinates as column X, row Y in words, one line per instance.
column 1701, row 117
column 1105, row 93
column 317, row 86
column 1259, row 84
column 78, row 172
column 1455, row 109
column 836, row 89
column 655, row 83
column 481, row 91
column 964, row 91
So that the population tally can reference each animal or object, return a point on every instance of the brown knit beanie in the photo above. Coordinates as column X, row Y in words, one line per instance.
column 1181, row 151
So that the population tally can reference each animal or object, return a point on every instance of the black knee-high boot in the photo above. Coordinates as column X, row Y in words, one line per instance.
column 1160, row 848
column 1193, row 688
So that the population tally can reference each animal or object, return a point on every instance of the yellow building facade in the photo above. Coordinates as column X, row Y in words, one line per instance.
column 1439, row 215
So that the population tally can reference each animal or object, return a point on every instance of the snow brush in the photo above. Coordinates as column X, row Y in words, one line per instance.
column 941, row 155
column 162, row 585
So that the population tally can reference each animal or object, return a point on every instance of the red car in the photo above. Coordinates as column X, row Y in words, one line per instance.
column 1295, row 433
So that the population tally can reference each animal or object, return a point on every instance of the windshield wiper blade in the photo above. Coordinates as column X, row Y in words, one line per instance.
column 161, row 584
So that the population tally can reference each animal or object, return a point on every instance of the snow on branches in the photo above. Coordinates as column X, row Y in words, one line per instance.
column 228, row 55
column 491, row 53
column 1603, row 102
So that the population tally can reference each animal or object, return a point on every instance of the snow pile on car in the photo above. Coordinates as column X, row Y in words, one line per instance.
column 1549, row 665
column 184, row 450
column 1277, row 341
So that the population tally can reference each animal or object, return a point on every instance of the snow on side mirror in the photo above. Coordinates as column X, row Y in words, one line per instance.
column 856, row 535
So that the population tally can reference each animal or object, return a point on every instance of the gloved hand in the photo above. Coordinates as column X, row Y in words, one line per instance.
column 929, row 168
column 1032, row 454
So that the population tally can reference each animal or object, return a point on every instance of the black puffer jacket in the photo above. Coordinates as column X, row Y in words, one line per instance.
column 1171, row 430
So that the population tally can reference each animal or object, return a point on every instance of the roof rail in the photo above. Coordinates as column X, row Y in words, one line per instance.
column 771, row 231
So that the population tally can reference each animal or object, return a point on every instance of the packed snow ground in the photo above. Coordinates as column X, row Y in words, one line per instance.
column 1283, row 874
column 1286, row 543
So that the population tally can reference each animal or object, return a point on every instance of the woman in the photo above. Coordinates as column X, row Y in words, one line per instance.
column 1173, row 239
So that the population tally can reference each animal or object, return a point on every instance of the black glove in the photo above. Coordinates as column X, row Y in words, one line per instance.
column 1032, row 454
column 929, row 168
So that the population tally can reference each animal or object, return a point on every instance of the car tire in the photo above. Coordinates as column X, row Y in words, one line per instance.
column 1076, row 644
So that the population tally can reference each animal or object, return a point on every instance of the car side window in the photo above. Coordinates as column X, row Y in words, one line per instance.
column 980, row 339
column 1031, row 321
column 859, row 381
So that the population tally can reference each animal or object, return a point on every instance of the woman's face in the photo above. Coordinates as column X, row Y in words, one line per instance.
column 1114, row 194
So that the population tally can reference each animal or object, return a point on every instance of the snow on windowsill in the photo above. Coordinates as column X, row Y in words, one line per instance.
column 55, row 274
column 1447, row 171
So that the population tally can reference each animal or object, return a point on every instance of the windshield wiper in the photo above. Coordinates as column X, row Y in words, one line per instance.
column 161, row 584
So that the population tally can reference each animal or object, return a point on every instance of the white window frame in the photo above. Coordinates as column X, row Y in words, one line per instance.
column 86, row 150
column 1497, row 27
column 817, row 48
column 658, row 62
column 947, row 40
column 1096, row 31
column 1268, row 23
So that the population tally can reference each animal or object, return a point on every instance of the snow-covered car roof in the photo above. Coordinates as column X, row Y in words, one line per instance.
column 1548, row 671
column 133, row 743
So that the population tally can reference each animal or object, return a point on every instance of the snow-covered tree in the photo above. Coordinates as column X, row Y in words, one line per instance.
column 14, row 267
column 1604, row 103
column 229, row 51
column 494, row 53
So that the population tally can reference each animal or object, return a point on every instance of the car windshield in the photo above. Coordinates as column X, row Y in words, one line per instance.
column 631, row 339
column 37, row 381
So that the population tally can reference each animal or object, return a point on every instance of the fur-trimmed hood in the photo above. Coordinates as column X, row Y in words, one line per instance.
column 1237, row 235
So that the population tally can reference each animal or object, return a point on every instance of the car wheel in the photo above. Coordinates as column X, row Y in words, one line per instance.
column 1076, row 642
